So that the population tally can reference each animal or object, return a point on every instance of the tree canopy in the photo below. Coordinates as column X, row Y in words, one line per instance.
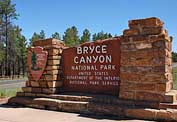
column 37, row 36
column 12, row 42
column 56, row 35
column 101, row 35
column 85, row 36
column 71, row 37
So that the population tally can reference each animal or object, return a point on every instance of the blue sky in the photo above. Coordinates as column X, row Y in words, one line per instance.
column 96, row 15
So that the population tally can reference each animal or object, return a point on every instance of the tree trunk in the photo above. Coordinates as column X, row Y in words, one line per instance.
column 19, row 67
column 6, row 51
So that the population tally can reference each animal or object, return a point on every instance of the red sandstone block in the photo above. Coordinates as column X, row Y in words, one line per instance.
column 53, row 62
column 148, row 22
column 164, row 87
column 168, row 68
column 49, row 41
column 48, row 68
column 45, row 101
column 54, row 84
column 50, row 90
column 34, row 84
column 54, row 57
column 143, row 78
column 36, row 90
column 125, row 76
column 130, row 32
column 54, row 52
column 54, row 72
column 20, row 100
column 165, row 115
column 170, row 97
column 152, row 31
column 131, row 47
column 106, row 109
column 126, row 94
column 27, row 89
column 168, row 106
column 43, row 84
column 141, row 38
column 73, row 106
column 50, row 77
column 162, row 44
column 141, row 113
column 30, row 94
column 138, row 86
column 50, row 47
column 154, row 52
column 147, row 72
column 149, row 96
column 53, row 108
column 146, row 61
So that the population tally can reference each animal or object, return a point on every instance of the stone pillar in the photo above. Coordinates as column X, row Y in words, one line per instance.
column 146, row 63
column 51, row 79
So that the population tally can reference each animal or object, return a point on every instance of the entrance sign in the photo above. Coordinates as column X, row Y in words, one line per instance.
column 36, row 59
column 93, row 67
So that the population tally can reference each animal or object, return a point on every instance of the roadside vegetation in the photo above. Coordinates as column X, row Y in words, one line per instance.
column 9, row 92
column 175, row 78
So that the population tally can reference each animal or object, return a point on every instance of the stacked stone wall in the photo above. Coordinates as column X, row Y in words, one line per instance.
column 51, row 79
column 146, row 63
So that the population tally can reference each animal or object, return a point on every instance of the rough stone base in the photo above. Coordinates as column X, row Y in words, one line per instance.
column 97, row 104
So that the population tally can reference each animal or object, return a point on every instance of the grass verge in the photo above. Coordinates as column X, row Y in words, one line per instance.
column 175, row 78
column 9, row 92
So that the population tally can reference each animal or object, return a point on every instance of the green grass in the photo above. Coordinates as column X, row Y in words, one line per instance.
column 175, row 78
column 9, row 92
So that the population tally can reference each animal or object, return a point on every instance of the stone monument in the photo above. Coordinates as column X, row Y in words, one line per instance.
column 129, row 75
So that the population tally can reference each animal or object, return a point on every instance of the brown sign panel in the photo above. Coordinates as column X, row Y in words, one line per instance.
column 93, row 67
column 36, row 60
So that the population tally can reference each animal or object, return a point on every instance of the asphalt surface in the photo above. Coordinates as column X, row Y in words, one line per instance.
column 8, row 84
column 13, row 114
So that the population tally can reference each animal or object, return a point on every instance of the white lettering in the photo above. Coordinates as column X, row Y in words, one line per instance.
column 85, row 50
column 91, row 49
column 82, row 60
column 97, row 49
column 104, row 50
column 79, row 50
column 75, row 60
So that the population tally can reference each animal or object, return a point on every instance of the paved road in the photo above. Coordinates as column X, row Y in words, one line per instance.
column 7, row 84
column 174, row 65
column 10, row 114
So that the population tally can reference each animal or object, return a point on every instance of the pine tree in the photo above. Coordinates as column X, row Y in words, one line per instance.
column 56, row 35
column 71, row 37
column 42, row 34
column 100, row 36
column 37, row 36
column 94, row 37
column 2, row 52
column 85, row 36
column 7, row 13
